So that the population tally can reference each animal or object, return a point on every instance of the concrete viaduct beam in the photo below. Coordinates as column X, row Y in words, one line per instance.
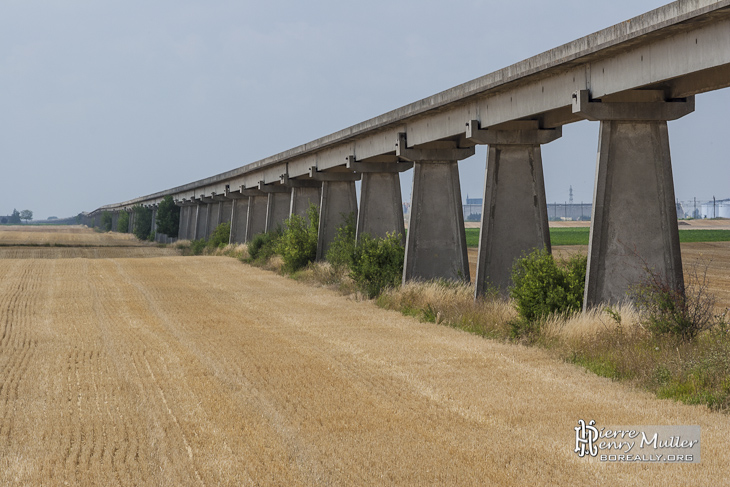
column 634, row 222
column 514, row 211
column 436, row 242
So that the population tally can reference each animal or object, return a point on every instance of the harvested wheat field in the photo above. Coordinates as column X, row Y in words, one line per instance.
column 205, row 371
column 69, row 242
column 71, row 235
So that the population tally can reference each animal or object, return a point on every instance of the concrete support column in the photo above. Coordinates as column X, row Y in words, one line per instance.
column 338, row 200
column 278, row 204
column 192, row 220
column 381, row 202
column 634, row 223
column 203, row 214
column 132, row 218
column 183, row 223
column 436, row 242
column 226, row 211
column 115, row 220
column 153, row 229
column 256, row 215
column 514, row 211
column 215, row 209
column 239, row 216
column 304, row 192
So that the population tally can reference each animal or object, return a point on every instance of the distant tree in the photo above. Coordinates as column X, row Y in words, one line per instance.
column 142, row 222
column 123, row 222
column 52, row 218
column 168, row 217
column 15, row 217
column 3, row 220
column 26, row 215
column 106, row 221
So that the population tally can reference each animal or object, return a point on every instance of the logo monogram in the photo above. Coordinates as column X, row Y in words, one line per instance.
column 585, row 436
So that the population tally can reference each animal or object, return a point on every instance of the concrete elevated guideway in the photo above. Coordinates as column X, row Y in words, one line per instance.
column 632, row 78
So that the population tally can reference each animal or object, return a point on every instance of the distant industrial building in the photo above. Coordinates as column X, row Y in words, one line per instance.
column 569, row 211
column 473, row 209
column 716, row 209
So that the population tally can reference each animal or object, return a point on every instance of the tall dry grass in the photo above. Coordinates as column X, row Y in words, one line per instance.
column 610, row 342
column 452, row 304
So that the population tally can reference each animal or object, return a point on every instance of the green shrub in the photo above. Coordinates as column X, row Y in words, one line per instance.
column 377, row 263
column 543, row 287
column 681, row 312
column 106, row 221
column 168, row 217
column 123, row 222
column 197, row 246
column 221, row 236
column 343, row 247
column 298, row 243
column 262, row 246
column 142, row 222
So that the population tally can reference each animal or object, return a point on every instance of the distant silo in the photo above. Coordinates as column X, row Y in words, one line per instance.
column 716, row 209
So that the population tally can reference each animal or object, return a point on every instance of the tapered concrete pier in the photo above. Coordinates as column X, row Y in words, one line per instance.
column 239, row 216
column 514, row 211
column 339, row 199
column 436, row 242
column 278, row 204
column 634, row 224
column 381, row 203
column 256, row 217
column 304, row 192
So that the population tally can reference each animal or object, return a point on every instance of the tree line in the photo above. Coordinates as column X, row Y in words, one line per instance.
column 16, row 217
column 167, row 220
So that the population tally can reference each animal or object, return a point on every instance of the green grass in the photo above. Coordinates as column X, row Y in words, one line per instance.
column 580, row 236
column 472, row 237
column 569, row 236
column 704, row 235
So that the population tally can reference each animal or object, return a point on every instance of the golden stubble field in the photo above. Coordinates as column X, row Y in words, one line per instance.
column 170, row 370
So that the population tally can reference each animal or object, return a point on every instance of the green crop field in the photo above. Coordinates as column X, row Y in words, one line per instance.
column 579, row 236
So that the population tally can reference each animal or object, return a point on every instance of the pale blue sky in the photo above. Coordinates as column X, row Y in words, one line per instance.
column 101, row 102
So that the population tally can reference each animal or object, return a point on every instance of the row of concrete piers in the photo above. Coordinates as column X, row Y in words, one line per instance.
column 633, row 227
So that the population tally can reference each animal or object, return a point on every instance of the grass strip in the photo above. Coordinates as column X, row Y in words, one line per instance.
column 581, row 235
